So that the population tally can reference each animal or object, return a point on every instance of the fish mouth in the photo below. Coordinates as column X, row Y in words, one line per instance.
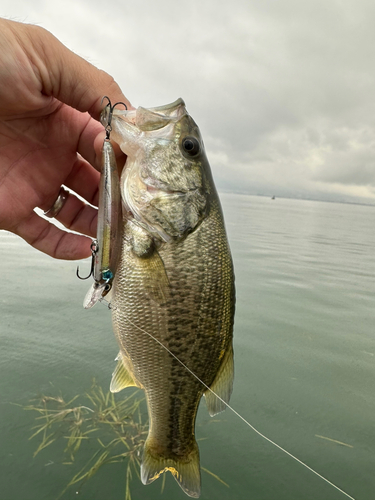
column 168, row 107
column 149, row 119
column 165, row 109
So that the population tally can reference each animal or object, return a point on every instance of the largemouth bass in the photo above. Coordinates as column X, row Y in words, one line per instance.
column 173, row 292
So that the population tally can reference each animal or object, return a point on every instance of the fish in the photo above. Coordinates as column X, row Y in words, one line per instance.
column 173, row 291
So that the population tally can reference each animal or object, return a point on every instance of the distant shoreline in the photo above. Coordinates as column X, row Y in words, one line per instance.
column 300, row 198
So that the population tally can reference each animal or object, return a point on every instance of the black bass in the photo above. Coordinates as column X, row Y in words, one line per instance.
column 173, row 292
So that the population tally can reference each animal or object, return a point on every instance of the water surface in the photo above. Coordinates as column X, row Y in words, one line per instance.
column 304, row 358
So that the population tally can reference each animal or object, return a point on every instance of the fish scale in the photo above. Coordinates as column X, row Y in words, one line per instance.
column 173, row 290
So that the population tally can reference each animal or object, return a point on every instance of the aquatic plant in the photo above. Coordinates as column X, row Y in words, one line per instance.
column 118, row 426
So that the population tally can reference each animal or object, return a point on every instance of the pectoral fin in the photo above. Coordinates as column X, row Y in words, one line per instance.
column 222, row 385
column 156, row 282
column 121, row 378
column 155, row 279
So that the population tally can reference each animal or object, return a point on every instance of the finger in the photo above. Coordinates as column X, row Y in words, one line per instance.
column 77, row 215
column 84, row 180
column 93, row 134
column 88, row 137
column 119, row 155
column 70, row 78
column 51, row 240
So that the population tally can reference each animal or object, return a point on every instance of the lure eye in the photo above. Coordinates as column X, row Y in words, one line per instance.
column 191, row 146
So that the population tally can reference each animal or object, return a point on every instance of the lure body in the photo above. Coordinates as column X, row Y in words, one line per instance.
column 107, row 246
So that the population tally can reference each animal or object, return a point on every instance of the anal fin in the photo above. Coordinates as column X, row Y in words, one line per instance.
column 222, row 385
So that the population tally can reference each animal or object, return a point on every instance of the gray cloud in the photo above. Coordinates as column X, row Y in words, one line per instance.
column 282, row 91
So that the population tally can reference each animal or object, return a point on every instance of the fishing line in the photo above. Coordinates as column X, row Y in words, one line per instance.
column 240, row 416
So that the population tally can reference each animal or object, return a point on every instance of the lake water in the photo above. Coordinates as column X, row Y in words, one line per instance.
column 304, row 357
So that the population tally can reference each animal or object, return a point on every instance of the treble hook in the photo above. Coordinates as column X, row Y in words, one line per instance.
column 94, row 250
column 108, row 128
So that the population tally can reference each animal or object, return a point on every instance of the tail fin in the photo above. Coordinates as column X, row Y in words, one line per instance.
column 185, row 470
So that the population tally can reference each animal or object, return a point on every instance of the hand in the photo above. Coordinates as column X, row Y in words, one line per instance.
column 50, row 101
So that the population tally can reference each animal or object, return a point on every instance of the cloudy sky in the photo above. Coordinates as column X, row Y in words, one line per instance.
column 283, row 90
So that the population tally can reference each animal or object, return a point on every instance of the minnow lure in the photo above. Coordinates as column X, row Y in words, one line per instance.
column 106, row 248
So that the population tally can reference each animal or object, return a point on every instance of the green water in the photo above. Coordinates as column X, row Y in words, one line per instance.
column 304, row 357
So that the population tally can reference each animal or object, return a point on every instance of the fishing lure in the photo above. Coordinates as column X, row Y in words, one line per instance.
column 106, row 248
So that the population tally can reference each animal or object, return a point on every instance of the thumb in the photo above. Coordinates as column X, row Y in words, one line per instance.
column 70, row 78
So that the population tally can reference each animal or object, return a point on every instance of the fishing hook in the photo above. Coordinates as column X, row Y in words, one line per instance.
column 108, row 128
column 94, row 251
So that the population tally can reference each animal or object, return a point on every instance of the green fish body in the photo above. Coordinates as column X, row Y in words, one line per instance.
column 173, row 293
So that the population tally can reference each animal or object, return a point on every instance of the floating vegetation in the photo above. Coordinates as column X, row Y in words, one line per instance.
column 334, row 441
column 116, row 426
column 121, row 422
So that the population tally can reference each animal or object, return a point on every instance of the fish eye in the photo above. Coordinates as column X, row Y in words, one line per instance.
column 191, row 146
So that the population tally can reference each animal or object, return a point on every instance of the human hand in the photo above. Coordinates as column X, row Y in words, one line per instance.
column 50, row 102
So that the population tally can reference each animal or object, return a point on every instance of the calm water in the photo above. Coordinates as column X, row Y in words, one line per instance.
column 304, row 354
